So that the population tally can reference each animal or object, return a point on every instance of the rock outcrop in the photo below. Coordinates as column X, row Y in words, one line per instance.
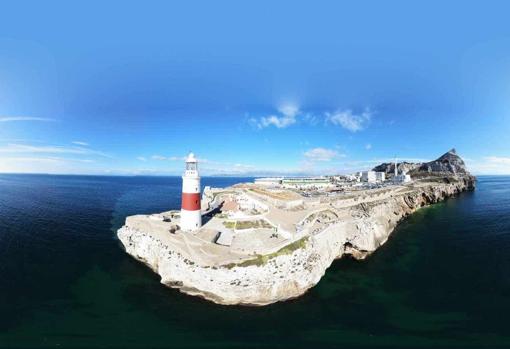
column 450, row 163
column 291, row 271
column 389, row 167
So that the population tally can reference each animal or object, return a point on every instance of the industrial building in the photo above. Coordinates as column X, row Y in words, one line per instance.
column 306, row 182
column 269, row 181
column 380, row 176
column 368, row 176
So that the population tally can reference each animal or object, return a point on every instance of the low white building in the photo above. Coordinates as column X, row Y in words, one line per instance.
column 380, row 176
column 368, row 176
column 306, row 182
column 402, row 178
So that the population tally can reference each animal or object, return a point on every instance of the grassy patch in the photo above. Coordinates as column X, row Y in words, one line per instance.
column 260, row 260
column 229, row 224
column 239, row 225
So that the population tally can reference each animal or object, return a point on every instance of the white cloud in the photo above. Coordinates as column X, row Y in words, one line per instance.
column 288, row 112
column 171, row 158
column 321, row 154
column 23, row 118
column 368, row 146
column 490, row 165
column 23, row 148
column 349, row 121
column 279, row 122
column 85, row 144
column 44, row 164
column 141, row 158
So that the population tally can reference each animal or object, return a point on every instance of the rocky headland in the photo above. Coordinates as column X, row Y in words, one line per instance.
column 277, row 250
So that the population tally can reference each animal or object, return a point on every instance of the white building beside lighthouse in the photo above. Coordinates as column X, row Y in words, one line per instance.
column 191, row 217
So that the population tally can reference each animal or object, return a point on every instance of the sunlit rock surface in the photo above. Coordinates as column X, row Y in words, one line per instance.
column 278, row 253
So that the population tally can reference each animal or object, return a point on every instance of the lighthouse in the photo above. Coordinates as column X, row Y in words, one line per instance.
column 191, row 218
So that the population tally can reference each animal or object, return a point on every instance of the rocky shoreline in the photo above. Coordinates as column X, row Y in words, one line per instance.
column 293, row 269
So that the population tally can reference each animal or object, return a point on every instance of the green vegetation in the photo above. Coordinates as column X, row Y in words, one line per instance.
column 239, row 225
column 260, row 260
column 229, row 224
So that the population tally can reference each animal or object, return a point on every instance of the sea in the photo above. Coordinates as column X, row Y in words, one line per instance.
column 441, row 280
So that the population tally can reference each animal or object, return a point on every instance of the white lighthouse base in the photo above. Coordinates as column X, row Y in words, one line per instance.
column 191, row 220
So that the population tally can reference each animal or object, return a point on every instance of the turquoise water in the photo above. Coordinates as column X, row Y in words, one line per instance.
column 441, row 280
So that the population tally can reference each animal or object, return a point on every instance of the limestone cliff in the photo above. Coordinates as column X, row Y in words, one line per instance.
column 292, row 270
column 449, row 162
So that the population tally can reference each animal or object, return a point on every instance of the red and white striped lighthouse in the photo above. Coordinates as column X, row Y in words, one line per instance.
column 191, row 217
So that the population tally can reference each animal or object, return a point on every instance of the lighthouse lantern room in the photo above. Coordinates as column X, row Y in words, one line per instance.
column 191, row 218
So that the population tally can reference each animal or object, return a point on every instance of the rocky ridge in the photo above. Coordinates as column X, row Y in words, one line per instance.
column 450, row 163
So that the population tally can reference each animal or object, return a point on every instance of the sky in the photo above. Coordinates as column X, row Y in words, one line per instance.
column 252, row 88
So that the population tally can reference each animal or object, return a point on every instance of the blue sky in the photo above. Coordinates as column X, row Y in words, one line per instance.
column 252, row 88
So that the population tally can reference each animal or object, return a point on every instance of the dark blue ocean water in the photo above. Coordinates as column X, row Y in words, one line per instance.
column 441, row 280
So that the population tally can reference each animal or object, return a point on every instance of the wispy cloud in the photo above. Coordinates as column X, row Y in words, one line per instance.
column 286, row 117
column 158, row 157
column 210, row 166
column 496, row 165
column 85, row 144
column 349, row 121
column 321, row 154
column 46, row 164
column 368, row 146
column 500, row 160
column 290, row 114
column 23, row 148
column 51, row 159
column 23, row 118
column 141, row 158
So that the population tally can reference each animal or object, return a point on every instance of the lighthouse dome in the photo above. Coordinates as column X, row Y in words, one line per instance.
column 191, row 158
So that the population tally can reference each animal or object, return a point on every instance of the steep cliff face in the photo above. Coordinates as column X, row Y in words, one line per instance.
column 292, row 271
column 449, row 162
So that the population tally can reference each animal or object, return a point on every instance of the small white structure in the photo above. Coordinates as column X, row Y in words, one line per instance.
column 380, row 176
column 400, row 178
column 191, row 217
column 269, row 181
column 368, row 176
